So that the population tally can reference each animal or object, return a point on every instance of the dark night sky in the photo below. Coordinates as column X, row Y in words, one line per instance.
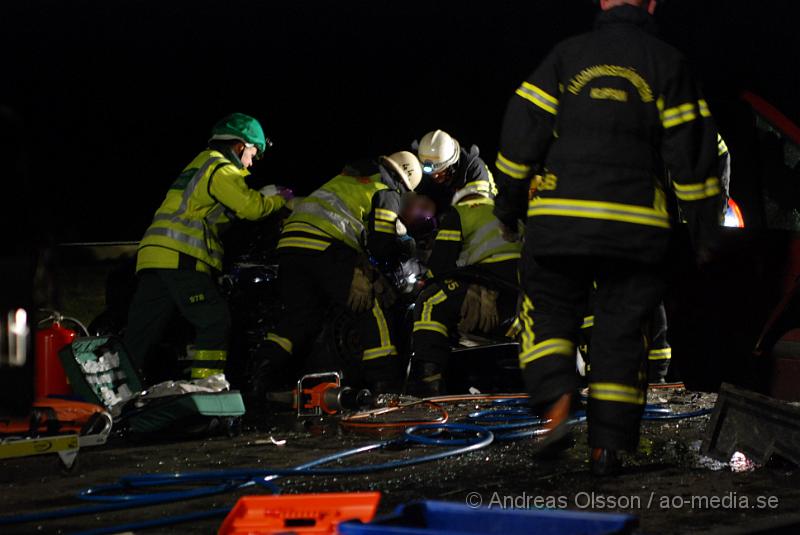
column 114, row 98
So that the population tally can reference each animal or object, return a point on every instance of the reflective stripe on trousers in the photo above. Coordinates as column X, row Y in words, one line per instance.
column 386, row 348
column 208, row 362
column 426, row 323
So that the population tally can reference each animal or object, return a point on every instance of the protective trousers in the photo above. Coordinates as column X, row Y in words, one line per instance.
column 660, row 354
column 556, row 290
column 309, row 282
column 437, row 311
column 160, row 294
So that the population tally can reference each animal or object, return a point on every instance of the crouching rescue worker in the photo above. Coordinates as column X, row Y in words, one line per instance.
column 594, row 117
column 447, row 167
column 469, row 235
column 323, row 258
column 180, row 253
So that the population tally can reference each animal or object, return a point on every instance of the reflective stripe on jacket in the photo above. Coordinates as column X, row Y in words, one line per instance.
column 471, row 234
column 208, row 194
column 598, row 119
column 339, row 210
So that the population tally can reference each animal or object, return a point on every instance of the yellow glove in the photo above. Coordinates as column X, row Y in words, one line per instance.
column 470, row 309
column 490, row 318
column 360, row 298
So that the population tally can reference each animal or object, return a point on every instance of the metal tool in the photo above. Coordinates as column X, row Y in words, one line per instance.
column 323, row 393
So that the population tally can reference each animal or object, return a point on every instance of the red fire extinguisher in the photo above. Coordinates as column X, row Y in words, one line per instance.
column 49, row 376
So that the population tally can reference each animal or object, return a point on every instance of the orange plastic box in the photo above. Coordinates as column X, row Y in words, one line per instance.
column 298, row 513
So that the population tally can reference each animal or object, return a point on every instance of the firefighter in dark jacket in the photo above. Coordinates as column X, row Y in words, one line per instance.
column 181, row 252
column 596, row 119
column 447, row 168
column 323, row 253
column 469, row 235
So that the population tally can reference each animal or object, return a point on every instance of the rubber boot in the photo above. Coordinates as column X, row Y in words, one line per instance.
column 266, row 375
column 657, row 371
column 256, row 388
column 604, row 462
column 557, row 428
column 424, row 379
column 383, row 376
column 557, row 414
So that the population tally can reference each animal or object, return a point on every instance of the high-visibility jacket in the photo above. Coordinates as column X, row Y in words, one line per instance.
column 470, row 234
column 359, row 208
column 597, row 119
column 208, row 194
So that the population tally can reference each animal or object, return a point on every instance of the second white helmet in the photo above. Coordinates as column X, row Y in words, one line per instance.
column 407, row 167
column 437, row 151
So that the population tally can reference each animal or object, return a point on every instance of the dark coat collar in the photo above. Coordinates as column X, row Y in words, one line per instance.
column 626, row 14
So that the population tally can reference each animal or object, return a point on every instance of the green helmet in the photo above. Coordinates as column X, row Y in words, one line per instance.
column 242, row 127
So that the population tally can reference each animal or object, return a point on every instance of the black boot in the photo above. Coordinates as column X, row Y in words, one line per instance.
column 424, row 379
column 382, row 386
column 263, row 376
column 657, row 371
column 604, row 462
column 557, row 428
column 255, row 391
column 383, row 376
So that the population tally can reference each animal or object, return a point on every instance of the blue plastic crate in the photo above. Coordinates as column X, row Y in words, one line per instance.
column 447, row 518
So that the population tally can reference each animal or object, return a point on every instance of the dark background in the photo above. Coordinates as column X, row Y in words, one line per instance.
column 103, row 103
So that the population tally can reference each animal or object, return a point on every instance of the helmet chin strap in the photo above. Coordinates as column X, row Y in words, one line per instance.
column 394, row 175
column 232, row 155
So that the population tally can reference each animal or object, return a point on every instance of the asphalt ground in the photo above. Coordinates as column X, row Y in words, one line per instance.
column 667, row 483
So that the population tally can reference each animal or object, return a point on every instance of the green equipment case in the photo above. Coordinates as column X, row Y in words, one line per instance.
column 100, row 371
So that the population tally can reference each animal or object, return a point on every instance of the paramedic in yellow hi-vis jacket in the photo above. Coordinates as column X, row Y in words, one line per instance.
column 181, row 253
column 322, row 255
column 598, row 118
column 469, row 235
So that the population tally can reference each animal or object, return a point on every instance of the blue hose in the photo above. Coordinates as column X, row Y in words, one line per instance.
column 411, row 436
column 221, row 481
column 97, row 494
column 517, row 435
column 125, row 502
column 228, row 480
column 465, row 446
column 503, row 415
column 518, row 418
column 512, row 401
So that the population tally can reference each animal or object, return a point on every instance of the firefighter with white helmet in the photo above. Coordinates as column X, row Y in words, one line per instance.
column 323, row 253
column 438, row 151
column 469, row 236
column 447, row 167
